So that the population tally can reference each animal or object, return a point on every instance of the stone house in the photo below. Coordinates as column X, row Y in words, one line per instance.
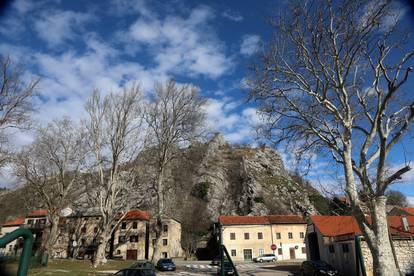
column 247, row 237
column 338, row 241
column 170, row 239
column 8, row 227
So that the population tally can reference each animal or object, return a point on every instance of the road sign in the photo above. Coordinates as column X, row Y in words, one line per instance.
column 273, row 247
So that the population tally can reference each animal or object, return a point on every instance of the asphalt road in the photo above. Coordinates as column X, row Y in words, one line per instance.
column 198, row 268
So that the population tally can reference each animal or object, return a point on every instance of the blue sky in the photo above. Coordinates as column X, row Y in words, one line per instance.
column 76, row 46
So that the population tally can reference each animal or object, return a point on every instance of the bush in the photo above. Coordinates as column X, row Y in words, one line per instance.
column 200, row 190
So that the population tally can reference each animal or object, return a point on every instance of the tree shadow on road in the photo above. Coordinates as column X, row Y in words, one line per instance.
column 292, row 269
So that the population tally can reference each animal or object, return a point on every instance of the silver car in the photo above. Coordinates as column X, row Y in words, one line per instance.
column 265, row 258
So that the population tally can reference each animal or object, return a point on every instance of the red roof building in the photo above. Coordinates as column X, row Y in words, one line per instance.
column 137, row 214
column 261, row 220
column 14, row 222
column 408, row 210
column 38, row 213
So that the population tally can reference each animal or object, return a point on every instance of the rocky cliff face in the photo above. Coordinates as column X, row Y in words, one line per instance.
column 247, row 181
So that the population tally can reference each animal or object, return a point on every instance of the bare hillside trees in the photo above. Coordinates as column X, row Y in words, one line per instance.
column 113, row 131
column 51, row 167
column 174, row 117
column 15, row 95
column 332, row 81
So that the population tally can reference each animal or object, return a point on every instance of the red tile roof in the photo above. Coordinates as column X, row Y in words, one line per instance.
column 408, row 210
column 14, row 222
column 260, row 220
column 334, row 226
column 38, row 213
column 137, row 214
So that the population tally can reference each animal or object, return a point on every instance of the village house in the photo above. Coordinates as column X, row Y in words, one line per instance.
column 401, row 211
column 78, row 235
column 247, row 237
column 8, row 227
column 338, row 241
column 170, row 239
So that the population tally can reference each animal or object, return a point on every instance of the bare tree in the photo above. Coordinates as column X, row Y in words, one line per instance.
column 395, row 197
column 15, row 95
column 332, row 81
column 174, row 118
column 51, row 167
column 113, row 130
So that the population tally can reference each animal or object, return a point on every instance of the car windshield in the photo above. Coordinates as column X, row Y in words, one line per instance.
column 166, row 261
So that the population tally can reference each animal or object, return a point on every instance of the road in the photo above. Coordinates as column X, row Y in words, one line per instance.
column 198, row 268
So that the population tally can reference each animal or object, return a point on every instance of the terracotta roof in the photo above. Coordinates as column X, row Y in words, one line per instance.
column 38, row 213
column 334, row 226
column 408, row 210
column 260, row 220
column 14, row 222
column 137, row 214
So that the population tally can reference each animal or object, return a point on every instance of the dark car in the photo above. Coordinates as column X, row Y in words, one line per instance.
column 165, row 265
column 143, row 264
column 135, row 272
column 228, row 269
column 317, row 268
column 216, row 260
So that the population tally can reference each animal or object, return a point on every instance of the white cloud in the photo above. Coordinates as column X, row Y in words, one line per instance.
column 250, row 45
column 232, row 15
column 410, row 200
column 57, row 26
column 185, row 45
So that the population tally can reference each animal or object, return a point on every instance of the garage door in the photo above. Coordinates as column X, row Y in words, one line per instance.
column 132, row 254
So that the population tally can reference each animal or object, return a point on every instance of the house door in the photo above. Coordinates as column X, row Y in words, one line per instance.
column 292, row 253
column 247, row 253
column 131, row 254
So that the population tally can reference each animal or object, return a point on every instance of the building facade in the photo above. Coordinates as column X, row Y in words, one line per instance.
column 8, row 227
column 247, row 237
column 338, row 241
column 170, row 242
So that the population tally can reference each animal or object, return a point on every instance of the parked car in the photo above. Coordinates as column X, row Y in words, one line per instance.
column 216, row 260
column 135, row 272
column 228, row 269
column 165, row 265
column 317, row 268
column 265, row 258
column 143, row 264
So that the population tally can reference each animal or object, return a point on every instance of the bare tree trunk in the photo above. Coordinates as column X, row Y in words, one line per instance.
column 52, row 234
column 382, row 256
column 100, row 254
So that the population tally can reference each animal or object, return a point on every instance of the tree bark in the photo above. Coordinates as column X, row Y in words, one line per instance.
column 53, row 234
column 100, row 255
column 382, row 256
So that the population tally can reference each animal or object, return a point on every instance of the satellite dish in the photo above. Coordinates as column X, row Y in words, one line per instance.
column 66, row 212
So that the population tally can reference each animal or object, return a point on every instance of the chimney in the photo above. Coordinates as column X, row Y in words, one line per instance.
column 406, row 227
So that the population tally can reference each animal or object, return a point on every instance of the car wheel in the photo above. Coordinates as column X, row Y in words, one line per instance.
column 261, row 260
column 273, row 260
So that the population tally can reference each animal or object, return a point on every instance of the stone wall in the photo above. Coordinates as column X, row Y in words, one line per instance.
column 404, row 249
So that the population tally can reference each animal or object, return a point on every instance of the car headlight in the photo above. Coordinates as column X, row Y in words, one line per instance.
column 322, row 271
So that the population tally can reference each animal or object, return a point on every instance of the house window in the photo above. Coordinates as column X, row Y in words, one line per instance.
column 30, row 221
column 290, row 235
column 233, row 252
column 83, row 230
column 94, row 241
column 302, row 235
column 331, row 248
column 83, row 242
column 10, row 248
column 303, row 250
column 164, row 255
column 260, row 236
column 345, row 248
column 121, row 239
column 134, row 225
column 164, row 242
column 133, row 238
column 95, row 230
column 278, row 236
column 123, row 225
column 165, row 228
column 154, row 241
column 42, row 221
column 279, row 251
column 118, row 252
column 246, row 236
column 261, row 252
column 232, row 236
